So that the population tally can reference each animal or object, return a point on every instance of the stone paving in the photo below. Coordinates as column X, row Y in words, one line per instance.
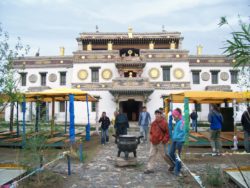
column 102, row 172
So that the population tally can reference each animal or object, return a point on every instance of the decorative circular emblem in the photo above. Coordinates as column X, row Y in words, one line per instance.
column 130, row 52
column 178, row 73
column 52, row 77
column 82, row 74
column 224, row 76
column 106, row 74
column 205, row 76
column 33, row 78
column 154, row 73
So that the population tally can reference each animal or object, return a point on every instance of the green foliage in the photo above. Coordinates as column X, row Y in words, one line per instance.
column 33, row 151
column 214, row 176
column 239, row 46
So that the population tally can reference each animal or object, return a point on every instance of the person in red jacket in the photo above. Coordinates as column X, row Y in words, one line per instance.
column 159, row 136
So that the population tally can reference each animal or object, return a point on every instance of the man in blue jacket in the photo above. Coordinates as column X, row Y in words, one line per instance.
column 215, row 118
column 144, row 121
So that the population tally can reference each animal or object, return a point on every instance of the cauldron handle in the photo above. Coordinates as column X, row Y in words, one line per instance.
column 138, row 138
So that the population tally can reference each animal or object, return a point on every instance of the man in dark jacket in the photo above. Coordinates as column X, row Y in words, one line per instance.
column 105, row 122
column 194, row 117
column 245, row 121
column 121, row 124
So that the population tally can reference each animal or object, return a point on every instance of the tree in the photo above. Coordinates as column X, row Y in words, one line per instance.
column 8, row 79
column 239, row 46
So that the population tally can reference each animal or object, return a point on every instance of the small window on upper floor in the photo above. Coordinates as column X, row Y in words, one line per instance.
column 166, row 73
column 23, row 78
column 62, row 78
column 196, row 77
column 215, row 78
column 234, row 76
column 95, row 75
column 43, row 78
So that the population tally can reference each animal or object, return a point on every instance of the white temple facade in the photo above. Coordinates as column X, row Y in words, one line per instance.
column 125, row 71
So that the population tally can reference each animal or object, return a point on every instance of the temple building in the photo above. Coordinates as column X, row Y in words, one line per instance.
column 125, row 71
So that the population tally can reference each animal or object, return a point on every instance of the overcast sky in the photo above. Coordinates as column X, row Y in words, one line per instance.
column 49, row 24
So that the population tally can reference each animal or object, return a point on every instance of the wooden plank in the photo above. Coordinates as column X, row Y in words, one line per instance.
column 191, row 139
column 227, row 137
column 8, row 133
column 198, row 135
column 76, row 139
column 54, row 139
column 3, row 136
column 18, row 139
column 240, row 136
column 54, row 133
column 206, row 135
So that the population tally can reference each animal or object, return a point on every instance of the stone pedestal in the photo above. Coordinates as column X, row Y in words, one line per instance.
column 122, row 162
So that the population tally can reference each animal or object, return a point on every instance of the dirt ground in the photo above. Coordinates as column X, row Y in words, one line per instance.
column 195, row 159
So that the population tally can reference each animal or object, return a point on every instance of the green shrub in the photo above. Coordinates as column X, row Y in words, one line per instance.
column 214, row 176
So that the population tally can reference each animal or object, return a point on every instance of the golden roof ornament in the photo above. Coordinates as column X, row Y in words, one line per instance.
column 151, row 45
column 172, row 45
column 110, row 45
column 199, row 49
column 130, row 32
column 62, row 51
column 89, row 47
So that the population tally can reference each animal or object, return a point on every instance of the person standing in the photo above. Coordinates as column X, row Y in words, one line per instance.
column 113, row 122
column 105, row 122
column 216, row 119
column 144, row 121
column 245, row 121
column 159, row 136
column 194, row 118
column 178, row 139
column 121, row 124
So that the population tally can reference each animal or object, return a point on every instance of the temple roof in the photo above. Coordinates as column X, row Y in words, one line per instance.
column 124, row 35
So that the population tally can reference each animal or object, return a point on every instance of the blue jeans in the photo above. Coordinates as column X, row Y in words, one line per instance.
column 246, row 141
column 176, row 146
column 194, row 124
column 144, row 132
column 105, row 136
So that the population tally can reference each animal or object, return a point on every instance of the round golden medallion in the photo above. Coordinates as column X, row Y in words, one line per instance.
column 106, row 74
column 82, row 74
column 178, row 73
column 154, row 73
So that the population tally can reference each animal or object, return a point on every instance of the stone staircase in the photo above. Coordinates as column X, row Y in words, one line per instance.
column 134, row 128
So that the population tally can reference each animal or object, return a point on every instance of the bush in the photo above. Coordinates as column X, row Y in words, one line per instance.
column 214, row 176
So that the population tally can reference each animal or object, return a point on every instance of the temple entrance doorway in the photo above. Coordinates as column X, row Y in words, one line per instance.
column 131, row 108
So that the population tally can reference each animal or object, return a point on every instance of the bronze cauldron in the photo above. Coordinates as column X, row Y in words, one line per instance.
column 127, row 144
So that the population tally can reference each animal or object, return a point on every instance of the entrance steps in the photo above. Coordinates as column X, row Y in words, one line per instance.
column 134, row 128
